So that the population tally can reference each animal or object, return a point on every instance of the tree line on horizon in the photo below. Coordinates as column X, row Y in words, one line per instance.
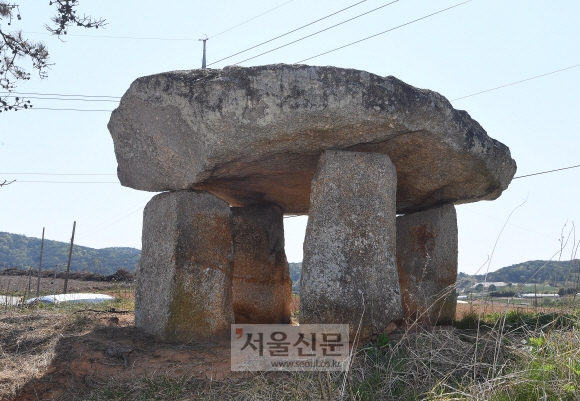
column 23, row 252
column 536, row 271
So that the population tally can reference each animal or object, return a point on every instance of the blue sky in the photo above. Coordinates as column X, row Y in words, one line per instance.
column 479, row 45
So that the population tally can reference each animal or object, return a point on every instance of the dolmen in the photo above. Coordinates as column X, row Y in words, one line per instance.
column 375, row 163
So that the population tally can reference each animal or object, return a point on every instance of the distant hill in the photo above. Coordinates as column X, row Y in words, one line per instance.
column 22, row 251
column 540, row 271
column 295, row 273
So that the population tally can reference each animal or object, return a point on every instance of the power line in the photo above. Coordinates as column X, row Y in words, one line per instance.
column 112, row 37
column 50, row 174
column 287, row 33
column 381, row 33
column 494, row 218
column 521, row 176
column 251, row 19
column 115, row 222
column 117, row 182
column 323, row 30
column 517, row 82
column 546, row 172
column 164, row 39
column 70, row 100
column 48, row 108
column 72, row 182
column 119, row 97
column 114, row 217
column 57, row 94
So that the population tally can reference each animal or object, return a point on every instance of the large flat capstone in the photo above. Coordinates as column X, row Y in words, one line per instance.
column 349, row 270
column 254, row 135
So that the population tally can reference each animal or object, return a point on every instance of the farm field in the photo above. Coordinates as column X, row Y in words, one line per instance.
column 78, row 352
column 500, row 306
column 18, row 285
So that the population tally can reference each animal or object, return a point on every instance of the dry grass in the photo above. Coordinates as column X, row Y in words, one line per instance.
column 28, row 343
column 510, row 357
column 507, row 355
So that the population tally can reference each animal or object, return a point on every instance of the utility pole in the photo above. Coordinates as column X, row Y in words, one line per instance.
column 40, row 264
column 69, row 256
column 203, row 59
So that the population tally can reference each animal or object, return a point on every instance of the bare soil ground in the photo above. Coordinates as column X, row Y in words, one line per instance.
column 19, row 284
column 50, row 354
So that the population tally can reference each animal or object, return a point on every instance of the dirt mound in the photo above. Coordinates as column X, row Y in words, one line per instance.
column 49, row 354
column 121, row 275
column 52, row 354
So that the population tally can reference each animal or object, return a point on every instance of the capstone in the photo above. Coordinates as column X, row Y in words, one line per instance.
column 255, row 134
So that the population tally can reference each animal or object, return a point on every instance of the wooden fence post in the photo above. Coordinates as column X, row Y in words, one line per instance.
column 40, row 264
column 69, row 256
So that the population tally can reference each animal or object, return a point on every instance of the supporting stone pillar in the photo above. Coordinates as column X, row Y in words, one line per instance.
column 184, row 280
column 427, row 264
column 349, row 269
column 262, row 288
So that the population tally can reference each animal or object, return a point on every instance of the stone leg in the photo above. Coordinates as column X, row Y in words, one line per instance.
column 349, row 269
column 184, row 280
column 262, row 288
column 427, row 264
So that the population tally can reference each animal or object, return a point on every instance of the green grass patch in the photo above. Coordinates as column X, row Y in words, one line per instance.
column 519, row 320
